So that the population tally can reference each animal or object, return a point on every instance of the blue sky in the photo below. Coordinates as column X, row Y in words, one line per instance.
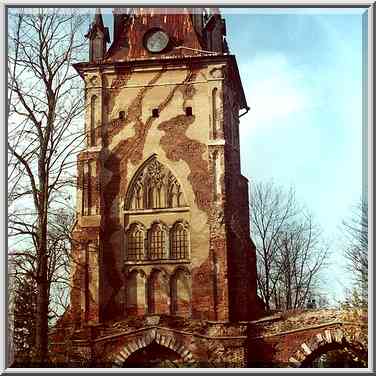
column 302, row 74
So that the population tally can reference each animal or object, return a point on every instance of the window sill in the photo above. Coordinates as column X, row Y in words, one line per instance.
column 157, row 210
column 158, row 262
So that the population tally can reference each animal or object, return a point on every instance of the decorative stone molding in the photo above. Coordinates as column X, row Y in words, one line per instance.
column 163, row 339
column 93, row 80
column 154, row 186
column 323, row 338
column 217, row 72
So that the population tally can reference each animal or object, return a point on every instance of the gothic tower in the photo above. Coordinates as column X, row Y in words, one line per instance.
column 162, row 208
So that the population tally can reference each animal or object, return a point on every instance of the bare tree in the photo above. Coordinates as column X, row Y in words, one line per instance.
column 289, row 253
column 300, row 255
column 22, row 274
column 356, row 248
column 271, row 208
column 45, row 100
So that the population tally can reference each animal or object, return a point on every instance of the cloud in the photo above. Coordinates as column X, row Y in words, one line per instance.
column 274, row 88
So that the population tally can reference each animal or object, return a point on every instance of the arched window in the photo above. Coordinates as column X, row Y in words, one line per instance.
column 137, row 202
column 174, row 195
column 93, row 120
column 151, row 198
column 158, row 293
column 157, row 242
column 154, row 187
column 179, row 242
column 180, row 293
column 214, row 113
column 89, row 190
column 135, row 243
column 89, row 204
column 136, row 296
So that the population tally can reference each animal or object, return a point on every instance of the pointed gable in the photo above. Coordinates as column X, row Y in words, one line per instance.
column 131, row 30
column 98, row 26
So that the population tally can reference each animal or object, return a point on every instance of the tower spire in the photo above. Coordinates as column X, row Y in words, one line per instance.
column 98, row 36
column 98, row 20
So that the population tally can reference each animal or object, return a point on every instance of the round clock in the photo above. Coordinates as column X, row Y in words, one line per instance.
column 156, row 40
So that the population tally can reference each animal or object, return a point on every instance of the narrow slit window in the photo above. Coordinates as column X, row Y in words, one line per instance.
column 214, row 113
column 93, row 120
column 188, row 111
column 89, row 190
column 155, row 112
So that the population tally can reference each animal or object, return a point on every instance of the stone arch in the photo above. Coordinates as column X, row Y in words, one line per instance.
column 167, row 340
column 180, row 287
column 135, row 292
column 154, row 186
column 325, row 338
column 158, row 292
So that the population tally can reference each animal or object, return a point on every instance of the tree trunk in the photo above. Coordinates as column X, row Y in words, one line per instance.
column 41, row 338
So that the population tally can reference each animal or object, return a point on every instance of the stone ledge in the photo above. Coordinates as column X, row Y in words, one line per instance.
column 304, row 328
column 89, row 221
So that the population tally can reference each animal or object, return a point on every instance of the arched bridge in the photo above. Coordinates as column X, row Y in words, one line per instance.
column 290, row 339
column 299, row 338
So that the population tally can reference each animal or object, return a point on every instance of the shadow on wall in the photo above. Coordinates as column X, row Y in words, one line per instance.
column 261, row 354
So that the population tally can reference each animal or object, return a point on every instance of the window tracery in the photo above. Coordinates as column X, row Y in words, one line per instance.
column 154, row 187
column 179, row 241
column 157, row 242
column 136, row 242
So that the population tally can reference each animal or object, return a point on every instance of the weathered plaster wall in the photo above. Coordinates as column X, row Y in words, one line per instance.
column 192, row 147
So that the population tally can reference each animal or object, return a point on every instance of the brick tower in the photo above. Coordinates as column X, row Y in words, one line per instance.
column 162, row 231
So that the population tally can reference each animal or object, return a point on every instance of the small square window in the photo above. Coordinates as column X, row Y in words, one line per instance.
column 155, row 112
column 122, row 115
column 188, row 111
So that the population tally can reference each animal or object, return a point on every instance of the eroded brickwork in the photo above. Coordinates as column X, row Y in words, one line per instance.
column 138, row 112
column 161, row 253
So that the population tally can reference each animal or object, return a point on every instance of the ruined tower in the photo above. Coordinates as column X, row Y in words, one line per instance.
column 162, row 231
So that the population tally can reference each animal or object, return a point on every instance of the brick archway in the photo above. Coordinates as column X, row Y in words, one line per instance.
column 167, row 340
column 321, row 339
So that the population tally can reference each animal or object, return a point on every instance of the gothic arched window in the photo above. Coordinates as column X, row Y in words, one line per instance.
column 157, row 242
column 135, row 243
column 138, row 197
column 174, row 194
column 179, row 241
column 154, row 187
column 93, row 120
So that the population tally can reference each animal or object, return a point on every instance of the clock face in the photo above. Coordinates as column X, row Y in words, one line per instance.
column 156, row 41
